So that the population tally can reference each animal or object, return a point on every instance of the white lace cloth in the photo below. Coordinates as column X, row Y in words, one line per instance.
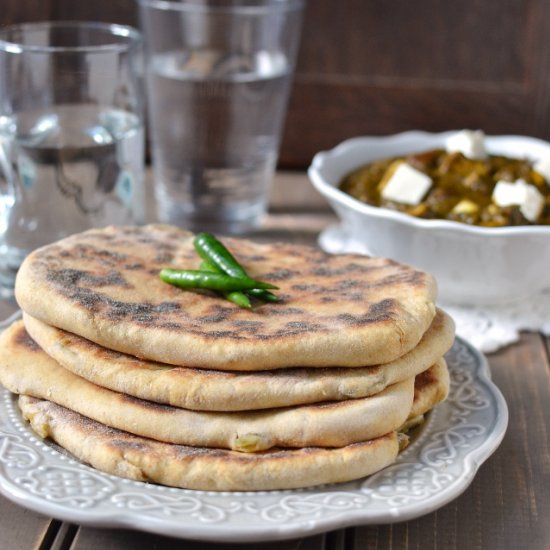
column 488, row 328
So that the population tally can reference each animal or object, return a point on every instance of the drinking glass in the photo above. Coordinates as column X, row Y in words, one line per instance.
column 71, row 134
column 218, row 75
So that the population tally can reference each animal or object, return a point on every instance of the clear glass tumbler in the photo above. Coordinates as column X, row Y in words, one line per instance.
column 218, row 75
column 71, row 134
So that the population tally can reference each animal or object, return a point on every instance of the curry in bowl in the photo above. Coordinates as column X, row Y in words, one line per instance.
column 462, row 184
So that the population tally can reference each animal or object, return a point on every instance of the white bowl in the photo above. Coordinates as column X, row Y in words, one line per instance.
column 472, row 264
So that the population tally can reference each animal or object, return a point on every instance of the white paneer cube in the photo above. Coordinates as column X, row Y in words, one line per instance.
column 406, row 185
column 542, row 166
column 471, row 143
column 520, row 193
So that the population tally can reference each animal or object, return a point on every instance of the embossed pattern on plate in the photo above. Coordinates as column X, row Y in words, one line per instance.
column 457, row 438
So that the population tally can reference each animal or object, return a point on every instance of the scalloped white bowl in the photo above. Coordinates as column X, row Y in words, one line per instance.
column 472, row 264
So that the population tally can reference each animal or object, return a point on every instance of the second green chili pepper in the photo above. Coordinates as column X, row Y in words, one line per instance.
column 213, row 251
column 235, row 296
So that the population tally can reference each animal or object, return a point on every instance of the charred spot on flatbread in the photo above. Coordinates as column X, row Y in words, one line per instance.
column 22, row 339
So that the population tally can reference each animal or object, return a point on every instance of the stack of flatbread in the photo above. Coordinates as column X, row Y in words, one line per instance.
column 181, row 387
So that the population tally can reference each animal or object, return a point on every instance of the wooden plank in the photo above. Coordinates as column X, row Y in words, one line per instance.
column 340, row 110
column 118, row 11
column 292, row 192
column 110, row 539
column 15, row 11
column 471, row 41
column 377, row 67
column 23, row 529
column 508, row 503
column 380, row 68
column 547, row 346
column 297, row 213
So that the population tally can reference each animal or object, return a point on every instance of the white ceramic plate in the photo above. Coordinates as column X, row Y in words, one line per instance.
column 457, row 438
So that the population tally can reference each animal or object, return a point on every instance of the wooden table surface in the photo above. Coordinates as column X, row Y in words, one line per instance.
column 506, row 506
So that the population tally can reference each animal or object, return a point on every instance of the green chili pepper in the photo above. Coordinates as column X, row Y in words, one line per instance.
column 263, row 294
column 187, row 278
column 214, row 252
column 242, row 300
column 235, row 296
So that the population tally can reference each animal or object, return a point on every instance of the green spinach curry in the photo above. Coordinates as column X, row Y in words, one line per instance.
column 461, row 191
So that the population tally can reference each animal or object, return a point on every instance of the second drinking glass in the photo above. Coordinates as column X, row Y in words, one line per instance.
column 218, row 74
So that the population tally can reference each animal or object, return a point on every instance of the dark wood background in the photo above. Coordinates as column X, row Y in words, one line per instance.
column 383, row 66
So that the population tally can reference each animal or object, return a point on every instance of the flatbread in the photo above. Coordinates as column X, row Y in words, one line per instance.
column 335, row 310
column 200, row 389
column 133, row 457
column 26, row 369
column 430, row 388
